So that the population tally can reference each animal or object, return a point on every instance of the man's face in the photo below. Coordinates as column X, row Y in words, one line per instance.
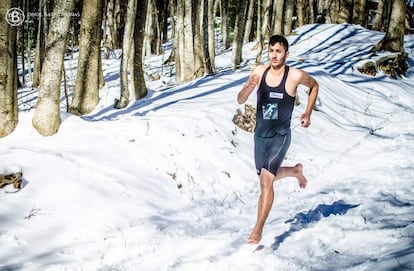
column 277, row 55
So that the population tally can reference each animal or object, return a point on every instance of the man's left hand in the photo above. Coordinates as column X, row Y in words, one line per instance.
column 305, row 120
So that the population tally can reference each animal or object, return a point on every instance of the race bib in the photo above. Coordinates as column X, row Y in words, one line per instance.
column 276, row 95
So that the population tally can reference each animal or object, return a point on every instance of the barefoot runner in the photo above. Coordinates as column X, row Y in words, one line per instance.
column 277, row 84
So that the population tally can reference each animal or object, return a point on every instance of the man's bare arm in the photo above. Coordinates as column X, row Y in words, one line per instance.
column 251, row 84
column 248, row 88
column 313, row 95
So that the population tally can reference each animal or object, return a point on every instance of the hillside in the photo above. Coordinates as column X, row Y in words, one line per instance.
column 168, row 183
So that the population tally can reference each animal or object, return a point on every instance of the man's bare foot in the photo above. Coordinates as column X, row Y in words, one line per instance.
column 299, row 175
column 254, row 238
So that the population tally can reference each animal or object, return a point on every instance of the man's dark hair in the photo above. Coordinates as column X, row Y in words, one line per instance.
column 279, row 39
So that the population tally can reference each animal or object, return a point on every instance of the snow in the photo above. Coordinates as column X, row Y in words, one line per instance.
column 168, row 183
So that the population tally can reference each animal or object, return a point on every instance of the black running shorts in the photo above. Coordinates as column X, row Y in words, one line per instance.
column 270, row 152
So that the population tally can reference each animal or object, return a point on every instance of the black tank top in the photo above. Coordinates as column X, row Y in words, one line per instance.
column 274, row 108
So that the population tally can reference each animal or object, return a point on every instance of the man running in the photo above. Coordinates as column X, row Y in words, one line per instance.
column 277, row 85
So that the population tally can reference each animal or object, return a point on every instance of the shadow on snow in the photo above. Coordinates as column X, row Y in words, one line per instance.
column 137, row 108
column 302, row 220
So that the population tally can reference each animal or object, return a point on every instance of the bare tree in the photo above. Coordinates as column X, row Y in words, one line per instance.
column 381, row 16
column 200, row 40
column 46, row 119
column 139, row 33
column 345, row 12
column 8, row 73
column 208, row 63
column 259, row 21
column 173, row 11
column 265, row 13
column 224, row 12
column 238, row 35
column 279, row 6
column 288, row 17
column 331, row 11
column 394, row 37
column 360, row 12
column 186, row 55
column 86, row 94
column 124, row 99
column 163, row 6
column 119, row 23
column 211, row 34
column 206, row 38
column 153, row 37
column 110, row 37
column 42, row 30
column 162, row 32
column 300, row 11
column 312, row 11
column 249, row 20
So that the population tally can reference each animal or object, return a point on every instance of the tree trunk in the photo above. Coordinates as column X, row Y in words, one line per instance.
column 149, row 29
column 205, row 37
column 279, row 7
column 394, row 38
column 179, row 38
column 249, row 21
column 153, row 29
column 46, row 119
column 164, row 19
column 238, row 35
column 139, row 32
column 265, row 13
column 86, row 94
column 185, row 64
column 224, row 23
column 360, row 12
column 288, row 17
column 40, row 43
column 259, row 33
column 267, row 18
column 126, row 54
column 345, row 12
column 300, row 11
column 8, row 73
column 173, row 13
column 158, row 27
column 21, row 34
column 378, row 19
column 119, row 24
column 259, row 20
column 199, row 30
column 331, row 9
column 110, row 36
column 356, row 9
column 211, row 35
column 188, row 65
column 312, row 12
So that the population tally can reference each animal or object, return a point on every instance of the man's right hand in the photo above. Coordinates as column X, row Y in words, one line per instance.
column 250, row 85
column 252, row 82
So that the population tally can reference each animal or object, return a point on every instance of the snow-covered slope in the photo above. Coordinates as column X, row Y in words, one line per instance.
column 169, row 183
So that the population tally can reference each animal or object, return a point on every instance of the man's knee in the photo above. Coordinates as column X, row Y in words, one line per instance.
column 266, row 179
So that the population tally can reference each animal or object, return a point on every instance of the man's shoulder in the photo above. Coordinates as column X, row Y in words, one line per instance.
column 259, row 69
column 295, row 72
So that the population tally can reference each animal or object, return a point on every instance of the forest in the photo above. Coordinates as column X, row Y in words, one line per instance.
column 37, row 35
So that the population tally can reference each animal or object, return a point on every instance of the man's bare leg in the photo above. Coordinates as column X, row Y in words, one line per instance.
column 296, row 171
column 267, row 196
column 264, row 205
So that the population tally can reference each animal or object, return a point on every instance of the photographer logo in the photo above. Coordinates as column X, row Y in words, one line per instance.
column 15, row 16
